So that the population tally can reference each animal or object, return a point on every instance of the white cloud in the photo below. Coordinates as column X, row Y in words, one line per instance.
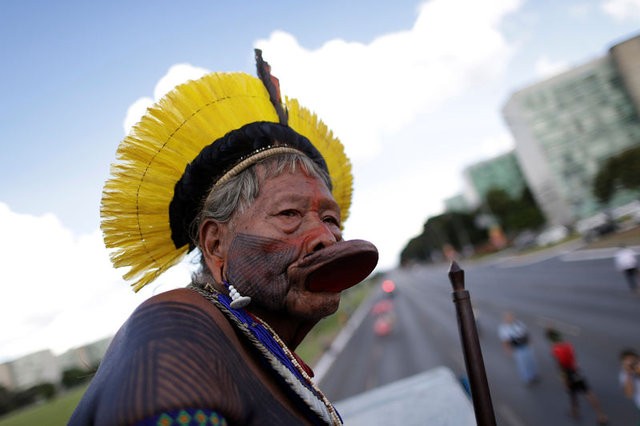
column 364, row 91
column 177, row 74
column 497, row 145
column 545, row 67
column 622, row 9
column 135, row 111
column 59, row 289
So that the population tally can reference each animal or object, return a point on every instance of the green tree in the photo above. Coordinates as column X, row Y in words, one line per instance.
column 621, row 171
column 45, row 390
column 499, row 202
column 514, row 215
column 6, row 400
column 630, row 168
column 75, row 376
column 454, row 228
column 604, row 184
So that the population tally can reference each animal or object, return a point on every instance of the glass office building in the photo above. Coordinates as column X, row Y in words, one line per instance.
column 566, row 127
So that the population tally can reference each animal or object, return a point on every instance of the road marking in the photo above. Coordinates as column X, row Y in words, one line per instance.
column 590, row 254
column 594, row 254
column 537, row 257
column 562, row 326
column 511, row 417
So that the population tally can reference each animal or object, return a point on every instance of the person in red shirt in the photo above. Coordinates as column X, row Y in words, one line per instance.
column 574, row 382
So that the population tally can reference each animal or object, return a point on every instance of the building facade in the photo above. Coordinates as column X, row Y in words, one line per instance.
column 567, row 126
column 501, row 172
column 457, row 203
column 45, row 367
column 35, row 368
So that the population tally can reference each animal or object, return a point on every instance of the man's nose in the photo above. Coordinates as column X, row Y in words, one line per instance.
column 320, row 235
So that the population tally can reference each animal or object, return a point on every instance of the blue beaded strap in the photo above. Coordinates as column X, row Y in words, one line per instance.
column 185, row 417
column 264, row 337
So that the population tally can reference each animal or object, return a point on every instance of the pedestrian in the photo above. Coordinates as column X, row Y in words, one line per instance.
column 626, row 262
column 260, row 191
column 514, row 336
column 629, row 375
column 572, row 378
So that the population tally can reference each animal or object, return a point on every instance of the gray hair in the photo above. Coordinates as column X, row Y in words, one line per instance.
column 238, row 194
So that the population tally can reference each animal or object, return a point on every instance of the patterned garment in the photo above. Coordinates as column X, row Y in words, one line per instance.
column 179, row 350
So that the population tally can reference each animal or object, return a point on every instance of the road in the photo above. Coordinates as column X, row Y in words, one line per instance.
column 582, row 296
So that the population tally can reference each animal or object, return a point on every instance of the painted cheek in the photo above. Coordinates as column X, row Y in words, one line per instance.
column 318, row 205
column 257, row 267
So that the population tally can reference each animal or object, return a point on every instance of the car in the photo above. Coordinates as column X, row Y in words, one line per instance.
column 381, row 307
column 384, row 317
column 552, row 235
column 389, row 287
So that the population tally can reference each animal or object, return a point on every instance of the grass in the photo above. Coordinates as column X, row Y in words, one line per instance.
column 52, row 413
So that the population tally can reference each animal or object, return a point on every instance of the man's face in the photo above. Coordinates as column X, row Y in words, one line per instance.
column 293, row 216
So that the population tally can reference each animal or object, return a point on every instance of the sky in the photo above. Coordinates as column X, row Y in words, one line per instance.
column 413, row 89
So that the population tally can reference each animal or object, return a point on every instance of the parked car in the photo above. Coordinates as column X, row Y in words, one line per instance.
column 552, row 235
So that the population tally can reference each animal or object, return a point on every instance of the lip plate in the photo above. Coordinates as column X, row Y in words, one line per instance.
column 337, row 267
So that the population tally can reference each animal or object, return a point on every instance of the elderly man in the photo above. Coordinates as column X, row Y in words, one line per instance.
column 265, row 211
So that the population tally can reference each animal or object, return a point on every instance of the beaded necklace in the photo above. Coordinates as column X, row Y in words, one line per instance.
column 276, row 352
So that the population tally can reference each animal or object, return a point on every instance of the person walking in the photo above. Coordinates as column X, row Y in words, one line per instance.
column 629, row 375
column 626, row 262
column 514, row 336
column 572, row 378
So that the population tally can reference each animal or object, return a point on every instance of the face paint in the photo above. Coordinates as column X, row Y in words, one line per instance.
column 257, row 267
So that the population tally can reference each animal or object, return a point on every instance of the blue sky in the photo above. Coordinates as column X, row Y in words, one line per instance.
column 413, row 89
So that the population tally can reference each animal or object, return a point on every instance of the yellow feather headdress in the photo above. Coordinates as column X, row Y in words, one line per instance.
column 152, row 159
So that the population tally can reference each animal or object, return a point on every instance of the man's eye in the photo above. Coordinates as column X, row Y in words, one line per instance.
column 289, row 213
column 332, row 220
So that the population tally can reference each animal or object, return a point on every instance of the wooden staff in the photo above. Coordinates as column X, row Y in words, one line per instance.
column 473, row 361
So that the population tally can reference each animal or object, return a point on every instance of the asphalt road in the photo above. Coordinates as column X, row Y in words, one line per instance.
column 582, row 296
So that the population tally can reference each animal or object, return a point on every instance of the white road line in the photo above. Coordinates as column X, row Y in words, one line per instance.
column 594, row 254
column 532, row 258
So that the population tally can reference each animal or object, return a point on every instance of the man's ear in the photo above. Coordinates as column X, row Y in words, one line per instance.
column 210, row 239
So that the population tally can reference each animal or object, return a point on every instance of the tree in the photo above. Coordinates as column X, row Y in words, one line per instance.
column 454, row 228
column 75, row 376
column 620, row 171
column 630, row 168
column 604, row 184
column 514, row 215
column 6, row 400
